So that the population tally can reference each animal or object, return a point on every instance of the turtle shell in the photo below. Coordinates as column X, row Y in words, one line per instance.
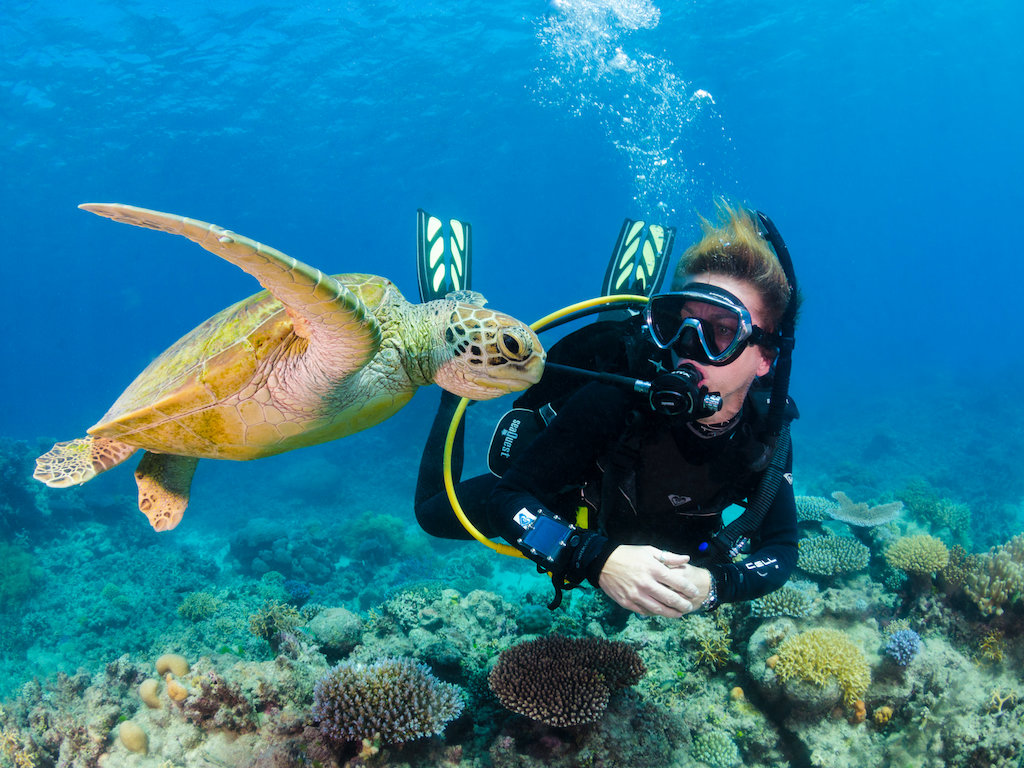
column 210, row 394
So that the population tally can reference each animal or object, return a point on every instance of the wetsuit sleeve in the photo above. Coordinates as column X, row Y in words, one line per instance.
column 773, row 557
column 557, row 462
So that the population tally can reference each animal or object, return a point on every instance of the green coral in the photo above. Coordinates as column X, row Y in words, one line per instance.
column 814, row 509
column 917, row 554
column 832, row 555
column 789, row 600
column 818, row 655
column 716, row 748
column 198, row 606
column 17, row 574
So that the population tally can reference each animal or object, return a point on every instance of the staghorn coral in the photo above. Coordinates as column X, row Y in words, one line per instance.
column 861, row 514
column 820, row 654
column 992, row 647
column 563, row 681
column 920, row 554
column 997, row 577
column 832, row 555
column 395, row 700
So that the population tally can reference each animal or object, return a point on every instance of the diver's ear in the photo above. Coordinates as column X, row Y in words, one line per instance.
column 765, row 361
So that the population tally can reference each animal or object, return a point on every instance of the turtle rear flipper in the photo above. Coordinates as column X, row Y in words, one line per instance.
column 164, row 482
column 78, row 461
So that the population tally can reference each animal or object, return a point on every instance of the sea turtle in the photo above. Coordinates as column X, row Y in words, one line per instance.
column 311, row 359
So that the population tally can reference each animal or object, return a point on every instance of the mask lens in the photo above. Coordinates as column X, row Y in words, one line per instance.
column 666, row 317
column 705, row 323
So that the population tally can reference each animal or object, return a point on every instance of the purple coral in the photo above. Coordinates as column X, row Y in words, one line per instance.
column 903, row 646
column 399, row 699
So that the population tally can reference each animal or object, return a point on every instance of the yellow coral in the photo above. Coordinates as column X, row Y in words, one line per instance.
column 918, row 554
column 819, row 654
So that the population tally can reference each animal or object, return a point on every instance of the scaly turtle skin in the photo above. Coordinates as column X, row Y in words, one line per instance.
column 311, row 359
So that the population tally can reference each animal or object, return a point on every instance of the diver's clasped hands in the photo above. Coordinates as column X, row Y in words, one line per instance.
column 654, row 582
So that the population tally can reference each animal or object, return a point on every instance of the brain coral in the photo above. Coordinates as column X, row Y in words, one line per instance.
column 399, row 699
column 917, row 554
column 820, row 654
column 831, row 555
column 563, row 681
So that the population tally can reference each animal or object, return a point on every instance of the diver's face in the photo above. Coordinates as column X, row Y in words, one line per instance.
column 733, row 380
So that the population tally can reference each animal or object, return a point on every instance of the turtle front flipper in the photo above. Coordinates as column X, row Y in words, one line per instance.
column 78, row 461
column 319, row 305
column 164, row 482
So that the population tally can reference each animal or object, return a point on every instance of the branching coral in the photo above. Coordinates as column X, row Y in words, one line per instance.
column 790, row 599
column 820, row 654
column 832, row 555
column 997, row 577
column 814, row 509
column 903, row 646
column 395, row 700
column 563, row 681
column 917, row 554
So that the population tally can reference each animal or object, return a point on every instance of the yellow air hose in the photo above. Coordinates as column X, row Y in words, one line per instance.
column 449, row 442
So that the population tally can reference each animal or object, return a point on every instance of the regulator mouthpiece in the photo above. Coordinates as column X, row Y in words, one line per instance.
column 679, row 394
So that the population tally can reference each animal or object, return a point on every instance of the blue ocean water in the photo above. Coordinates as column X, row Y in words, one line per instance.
column 883, row 138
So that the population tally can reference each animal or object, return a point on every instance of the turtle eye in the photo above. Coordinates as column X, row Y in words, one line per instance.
column 512, row 346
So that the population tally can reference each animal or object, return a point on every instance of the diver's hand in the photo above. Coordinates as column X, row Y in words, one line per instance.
column 653, row 582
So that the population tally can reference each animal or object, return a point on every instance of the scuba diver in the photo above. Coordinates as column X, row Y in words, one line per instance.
column 624, row 486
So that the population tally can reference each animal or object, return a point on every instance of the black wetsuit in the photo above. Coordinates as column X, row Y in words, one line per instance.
column 665, row 486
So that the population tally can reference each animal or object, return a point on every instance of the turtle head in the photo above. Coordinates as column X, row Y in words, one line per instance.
column 484, row 354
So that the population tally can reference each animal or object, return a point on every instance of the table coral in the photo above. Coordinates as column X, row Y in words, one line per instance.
column 820, row 654
column 564, row 681
column 920, row 554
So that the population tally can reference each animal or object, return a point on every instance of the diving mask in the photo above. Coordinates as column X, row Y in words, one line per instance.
column 702, row 322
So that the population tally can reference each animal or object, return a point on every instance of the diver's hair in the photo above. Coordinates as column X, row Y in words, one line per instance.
column 736, row 248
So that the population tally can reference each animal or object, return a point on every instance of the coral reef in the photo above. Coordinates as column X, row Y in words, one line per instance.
column 395, row 700
column 563, row 681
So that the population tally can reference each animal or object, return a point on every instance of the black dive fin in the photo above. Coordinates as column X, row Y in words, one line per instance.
column 639, row 260
column 443, row 263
